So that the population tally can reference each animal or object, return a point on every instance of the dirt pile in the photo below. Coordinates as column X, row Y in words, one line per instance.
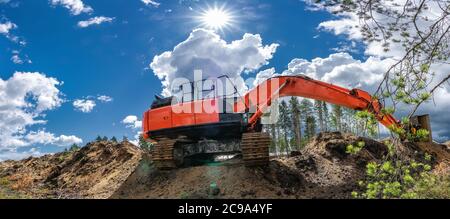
column 321, row 170
column 216, row 180
column 447, row 143
column 94, row 171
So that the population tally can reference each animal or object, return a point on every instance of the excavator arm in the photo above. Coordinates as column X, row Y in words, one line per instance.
column 261, row 97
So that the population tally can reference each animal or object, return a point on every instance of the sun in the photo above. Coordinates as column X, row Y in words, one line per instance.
column 216, row 18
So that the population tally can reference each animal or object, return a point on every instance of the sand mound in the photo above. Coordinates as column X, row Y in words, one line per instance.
column 94, row 171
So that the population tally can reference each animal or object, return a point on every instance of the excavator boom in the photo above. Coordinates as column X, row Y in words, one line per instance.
column 261, row 97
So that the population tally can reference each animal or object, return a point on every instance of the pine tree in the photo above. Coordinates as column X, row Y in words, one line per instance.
column 318, row 106
column 105, row 138
column 337, row 117
column 285, row 124
column 326, row 116
column 114, row 139
column 274, row 137
column 307, row 107
column 98, row 138
column 74, row 147
column 125, row 138
column 278, row 138
column 349, row 120
column 310, row 127
column 296, row 116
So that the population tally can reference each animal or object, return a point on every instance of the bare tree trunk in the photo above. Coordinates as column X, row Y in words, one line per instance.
column 325, row 115
column 286, row 143
column 297, row 129
column 319, row 109
column 277, row 142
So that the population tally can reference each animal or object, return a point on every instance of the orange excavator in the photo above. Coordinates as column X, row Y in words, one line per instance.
column 224, row 122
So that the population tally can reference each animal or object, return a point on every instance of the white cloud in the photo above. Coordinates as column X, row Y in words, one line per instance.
column 263, row 76
column 24, row 99
column 132, row 122
column 85, row 106
column 339, row 68
column 205, row 50
column 15, row 155
column 151, row 2
column 76, row 7
column 105, row 99
column 346, row 24
column 6, row 27
column 95, row 20
column 16, row 59
column 46, row 138
column 342, row 69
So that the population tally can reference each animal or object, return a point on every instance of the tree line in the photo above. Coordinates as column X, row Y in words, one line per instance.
column 299, row 121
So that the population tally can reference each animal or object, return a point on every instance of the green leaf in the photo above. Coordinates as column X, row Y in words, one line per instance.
column 425, row 68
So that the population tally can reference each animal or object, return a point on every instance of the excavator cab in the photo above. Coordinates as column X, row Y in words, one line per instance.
column 161, row 102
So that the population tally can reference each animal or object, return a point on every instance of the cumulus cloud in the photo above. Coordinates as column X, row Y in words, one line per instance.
column 342, row 69
column 339, row 68
column 76, row 7
column 45, row 138
column 205, row 50
column 264, row 75
column 151, row 2
column 24, row 99
column 95, row 21
column 132, row 122
column 85, row 106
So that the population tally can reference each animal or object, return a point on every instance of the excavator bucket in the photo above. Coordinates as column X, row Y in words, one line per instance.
column 422, row 122
column 440, row 151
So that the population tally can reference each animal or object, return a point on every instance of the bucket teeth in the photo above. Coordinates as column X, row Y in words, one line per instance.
column 255, row 148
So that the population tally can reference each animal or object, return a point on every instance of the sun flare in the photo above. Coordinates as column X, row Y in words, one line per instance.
column 216, row 18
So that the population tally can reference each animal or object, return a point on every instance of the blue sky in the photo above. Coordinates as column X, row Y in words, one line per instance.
column 112, row 58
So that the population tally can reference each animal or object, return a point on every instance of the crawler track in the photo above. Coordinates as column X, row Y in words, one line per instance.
column 163, row 154
column 255, row 148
